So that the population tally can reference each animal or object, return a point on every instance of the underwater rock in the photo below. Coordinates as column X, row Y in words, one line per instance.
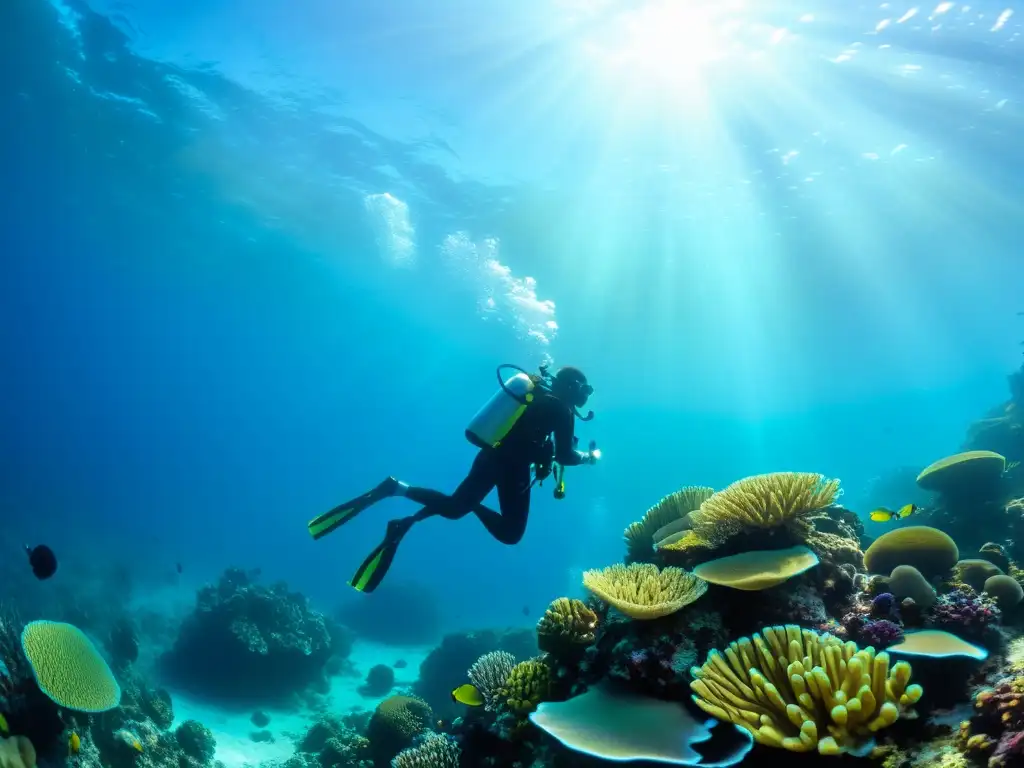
column 261, row 736
column 250, row 642
column 379, row 681
column 260, row 719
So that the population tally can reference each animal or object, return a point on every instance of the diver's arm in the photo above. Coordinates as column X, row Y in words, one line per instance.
column 565, row 452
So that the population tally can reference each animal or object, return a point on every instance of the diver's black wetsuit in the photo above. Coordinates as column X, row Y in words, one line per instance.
column 507, row 468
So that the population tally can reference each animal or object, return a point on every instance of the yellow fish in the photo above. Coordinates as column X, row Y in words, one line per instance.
column 4, row 728
column 883, row 515
column 74, row 744
column 137, row 745
column 468, row 694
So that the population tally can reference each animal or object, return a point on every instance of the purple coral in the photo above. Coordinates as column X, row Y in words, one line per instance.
column 965, row 612
column 880, row 633
column 883, row 606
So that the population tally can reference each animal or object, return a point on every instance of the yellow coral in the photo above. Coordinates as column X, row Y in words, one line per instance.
column 526, row 687
column 763, row 502
column 640, row 535
column 641, row 591
column 68, row 668
column 801, row 690
column 566, row 623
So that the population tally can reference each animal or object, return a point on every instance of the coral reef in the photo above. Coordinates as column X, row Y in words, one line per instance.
column 247, row 641
column 766, row 505
column 928, row 549
column 800, row 690
column 568, row 625
column 440, row 671
column 394, row 724
column 642, row 591
column 964, row 612
column 435, row 750
column 669, row 516
column 489, row 674
column 525, row 687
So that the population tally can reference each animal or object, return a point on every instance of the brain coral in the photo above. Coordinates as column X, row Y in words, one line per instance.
column 567, row 623
column 641, row 591
column 928, row 549
column 68, row 668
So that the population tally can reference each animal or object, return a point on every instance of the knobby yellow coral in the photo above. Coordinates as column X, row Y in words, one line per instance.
column 641, row 591
column 526, row 687
column 801, row 690
column 762, row 502
column 640, row 535
column 567, row 623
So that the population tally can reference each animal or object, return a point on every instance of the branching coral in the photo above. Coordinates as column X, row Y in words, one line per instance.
column 435, row 751
column 489, row 674
column 760, row 502
column 526, row 687
column 566, row 624
column 640, row 535
column 791, row 686
column 641, row 591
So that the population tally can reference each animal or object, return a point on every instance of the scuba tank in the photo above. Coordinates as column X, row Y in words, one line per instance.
column 500, row 413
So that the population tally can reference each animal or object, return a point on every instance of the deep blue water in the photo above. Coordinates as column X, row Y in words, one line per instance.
column 245, row 268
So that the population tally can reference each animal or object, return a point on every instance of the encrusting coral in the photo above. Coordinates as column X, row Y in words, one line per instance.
column 674, row 507
column 489, row 674
column 759, row 503
column 642, row 591
column 566, row 624
column 801, row 690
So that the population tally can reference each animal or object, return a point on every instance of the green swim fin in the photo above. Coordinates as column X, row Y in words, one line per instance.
column 330, row 521
column 371, row 573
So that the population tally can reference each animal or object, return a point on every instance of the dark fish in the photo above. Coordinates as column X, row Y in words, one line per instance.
column 400, row 664
column 42, row 560
column 526, row 610
column 178, row 567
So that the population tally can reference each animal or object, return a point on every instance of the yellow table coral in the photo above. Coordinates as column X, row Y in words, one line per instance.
column 803, row 690
column 641, row 591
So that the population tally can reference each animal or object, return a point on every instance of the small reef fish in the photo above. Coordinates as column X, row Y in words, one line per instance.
column 137, row 745
column 883, row 515
column 468, row 694
column 42, row 560
column 74, row 743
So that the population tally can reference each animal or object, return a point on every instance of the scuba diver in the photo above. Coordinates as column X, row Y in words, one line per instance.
column 513, row 431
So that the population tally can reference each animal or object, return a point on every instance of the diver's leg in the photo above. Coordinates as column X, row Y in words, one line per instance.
column 330, row 521
column 468, row 497
column 514, row 486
